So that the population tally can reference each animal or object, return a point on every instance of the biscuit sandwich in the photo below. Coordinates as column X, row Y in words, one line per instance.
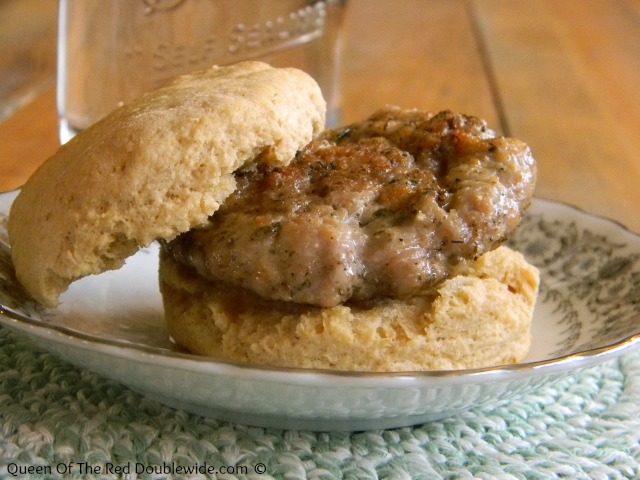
column 371, row 247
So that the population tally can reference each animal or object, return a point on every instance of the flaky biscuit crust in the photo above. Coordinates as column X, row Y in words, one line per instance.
column 155, row 168
column 479, row 318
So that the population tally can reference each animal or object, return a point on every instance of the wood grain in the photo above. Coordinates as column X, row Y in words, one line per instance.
column 27, row 139
column 562, row 76
column 567, row 74
column 413, row 53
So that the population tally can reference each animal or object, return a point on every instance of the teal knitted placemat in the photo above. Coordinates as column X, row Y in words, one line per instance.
column 58, row 421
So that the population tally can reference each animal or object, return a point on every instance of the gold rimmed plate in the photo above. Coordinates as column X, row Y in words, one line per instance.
column 588, row 311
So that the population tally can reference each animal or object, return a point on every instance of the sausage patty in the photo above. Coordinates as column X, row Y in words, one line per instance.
column 386, row 207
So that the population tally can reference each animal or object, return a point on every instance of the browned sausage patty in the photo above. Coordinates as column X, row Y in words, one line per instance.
column 382, row 208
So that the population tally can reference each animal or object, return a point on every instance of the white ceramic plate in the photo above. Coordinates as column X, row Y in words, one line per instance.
column 588, row 311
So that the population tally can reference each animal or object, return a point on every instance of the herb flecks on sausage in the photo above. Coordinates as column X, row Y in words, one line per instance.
column 386, row 207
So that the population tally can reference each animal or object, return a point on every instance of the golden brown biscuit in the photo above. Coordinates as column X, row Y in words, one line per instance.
column 155, row 168
column 479, row 318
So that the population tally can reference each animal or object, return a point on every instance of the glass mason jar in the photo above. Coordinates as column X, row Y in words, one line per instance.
column 111, row 51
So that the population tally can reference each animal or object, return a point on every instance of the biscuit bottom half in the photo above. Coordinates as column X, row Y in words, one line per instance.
column 479, row 318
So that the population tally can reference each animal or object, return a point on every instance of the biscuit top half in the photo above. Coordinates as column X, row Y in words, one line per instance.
column 155, row 168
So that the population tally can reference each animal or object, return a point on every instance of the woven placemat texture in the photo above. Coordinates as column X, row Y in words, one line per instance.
column 55, row 418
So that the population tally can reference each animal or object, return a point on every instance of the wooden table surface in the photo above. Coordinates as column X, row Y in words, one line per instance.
column 561, row 75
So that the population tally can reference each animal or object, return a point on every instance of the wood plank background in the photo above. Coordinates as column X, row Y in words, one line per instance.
column 561, row 75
